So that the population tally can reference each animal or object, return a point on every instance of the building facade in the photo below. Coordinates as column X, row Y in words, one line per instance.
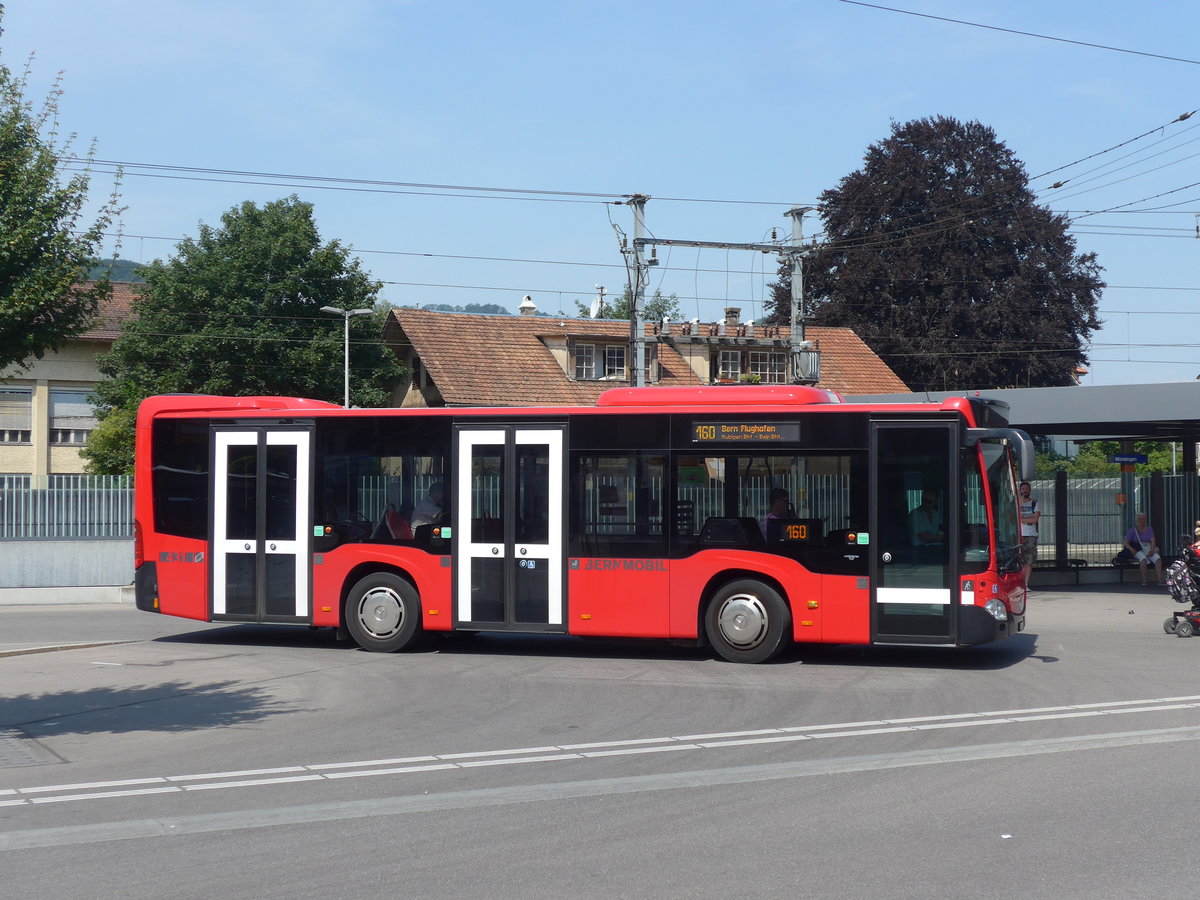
column 46, row 415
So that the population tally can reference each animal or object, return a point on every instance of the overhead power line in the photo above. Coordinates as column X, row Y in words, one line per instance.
column 1045, row 37
column 369, row 185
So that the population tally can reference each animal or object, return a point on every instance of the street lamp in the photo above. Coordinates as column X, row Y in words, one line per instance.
column 346, row 314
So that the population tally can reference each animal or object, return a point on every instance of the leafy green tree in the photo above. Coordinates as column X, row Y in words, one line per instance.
column 1092, row 458
column 937, row 254
column 654, row 309
column 236, row 311
column 479, row 309
column 47, row 245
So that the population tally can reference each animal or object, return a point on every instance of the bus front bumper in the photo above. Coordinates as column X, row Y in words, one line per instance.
column 978, row 626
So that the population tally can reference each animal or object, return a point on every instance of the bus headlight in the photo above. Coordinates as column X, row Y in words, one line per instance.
column 996, row 607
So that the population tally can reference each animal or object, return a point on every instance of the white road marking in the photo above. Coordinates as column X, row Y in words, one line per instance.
column 596, row 750
column 171, row 826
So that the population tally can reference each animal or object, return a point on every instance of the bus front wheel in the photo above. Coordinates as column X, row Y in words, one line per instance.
column 747, row 621
column 383, row 613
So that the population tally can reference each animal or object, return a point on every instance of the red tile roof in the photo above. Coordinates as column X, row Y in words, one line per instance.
column 113, row 314
column 503, row 360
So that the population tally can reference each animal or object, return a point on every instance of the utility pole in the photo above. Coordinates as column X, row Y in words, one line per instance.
column 346, row 314
column 799, row 314
column 805, row 360
column 637, row 326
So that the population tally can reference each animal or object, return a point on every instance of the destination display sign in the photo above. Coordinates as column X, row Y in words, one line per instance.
column 744, row 432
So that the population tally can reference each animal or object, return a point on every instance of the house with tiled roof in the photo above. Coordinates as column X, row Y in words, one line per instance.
column 459, row 359
column 45, row 417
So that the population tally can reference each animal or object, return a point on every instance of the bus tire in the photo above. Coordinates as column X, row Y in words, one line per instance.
column 747, row 621
column 383, row 613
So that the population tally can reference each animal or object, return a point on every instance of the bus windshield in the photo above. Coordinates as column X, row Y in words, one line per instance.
column 999, row 466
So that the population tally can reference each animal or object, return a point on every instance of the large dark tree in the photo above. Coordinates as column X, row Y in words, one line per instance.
column 937, row 254
column 238, row 311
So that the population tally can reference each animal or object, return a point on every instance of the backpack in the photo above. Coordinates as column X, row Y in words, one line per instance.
column 1180, row 584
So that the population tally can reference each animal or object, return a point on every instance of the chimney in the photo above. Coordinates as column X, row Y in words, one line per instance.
column 732, row 314
column 527, row 307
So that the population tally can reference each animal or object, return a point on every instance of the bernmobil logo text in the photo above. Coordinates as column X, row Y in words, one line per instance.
column 171, row 556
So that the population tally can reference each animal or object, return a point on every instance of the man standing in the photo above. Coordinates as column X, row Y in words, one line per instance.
column 1029, row 530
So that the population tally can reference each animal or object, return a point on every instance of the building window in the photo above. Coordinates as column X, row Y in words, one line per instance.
column 729, row 365
column 599, row 362
column 71, row 416
column 585, row 362
column 614, row 361
column 16, row 415
column 653, row 372
column 769, row 367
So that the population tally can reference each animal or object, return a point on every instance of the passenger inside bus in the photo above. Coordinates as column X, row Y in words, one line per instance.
column 925, row 521
column 429, row 510
column 780, row 508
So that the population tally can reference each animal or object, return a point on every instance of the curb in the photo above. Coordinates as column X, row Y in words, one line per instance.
column 63, row 596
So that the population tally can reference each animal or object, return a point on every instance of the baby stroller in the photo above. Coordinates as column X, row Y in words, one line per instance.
column 1183, row 581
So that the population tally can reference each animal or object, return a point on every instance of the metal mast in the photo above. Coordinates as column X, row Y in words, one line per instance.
column 805, row 360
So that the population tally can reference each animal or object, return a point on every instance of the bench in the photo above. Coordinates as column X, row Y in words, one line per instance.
column 1073, row 565
column 1122, row 563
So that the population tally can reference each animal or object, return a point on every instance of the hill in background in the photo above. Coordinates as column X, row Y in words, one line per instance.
column 122, row 270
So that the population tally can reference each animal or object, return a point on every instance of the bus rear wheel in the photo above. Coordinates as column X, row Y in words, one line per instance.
column 747, row 621
column 383, row 613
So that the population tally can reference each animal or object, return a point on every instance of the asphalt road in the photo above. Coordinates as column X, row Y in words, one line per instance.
column 189, row 760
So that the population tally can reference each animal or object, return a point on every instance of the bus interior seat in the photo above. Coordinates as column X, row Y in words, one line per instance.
column 730, row 531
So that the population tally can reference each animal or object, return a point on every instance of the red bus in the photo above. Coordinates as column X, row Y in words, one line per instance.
column 658, row 513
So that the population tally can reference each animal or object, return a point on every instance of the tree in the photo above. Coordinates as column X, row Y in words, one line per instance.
column 938, row 256
column 1092, row 458
column 236, row 311
column 654, row 309
column 46, row 246
column 479, row 309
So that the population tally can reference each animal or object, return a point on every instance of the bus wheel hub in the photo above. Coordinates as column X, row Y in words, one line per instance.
column 743, row 620
column 381, row 612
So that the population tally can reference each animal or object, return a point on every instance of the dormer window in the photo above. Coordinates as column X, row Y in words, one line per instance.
column 599, row 362
column 760, row 366
column 585, row 362
column 770, row 367
column 614, row 361
column 730, row 368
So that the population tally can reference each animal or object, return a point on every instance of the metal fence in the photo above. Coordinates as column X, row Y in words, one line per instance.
column 1099, row 511
column 66, row 506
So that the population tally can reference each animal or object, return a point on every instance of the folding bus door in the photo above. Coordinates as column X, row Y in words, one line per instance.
column 914, row 532
column 260, row 543
column 508, row 529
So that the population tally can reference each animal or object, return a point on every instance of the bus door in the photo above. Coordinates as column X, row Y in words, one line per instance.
column 508, row 528
column 914, row 532
column 261, row 524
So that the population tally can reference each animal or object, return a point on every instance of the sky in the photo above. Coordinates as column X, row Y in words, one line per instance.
column 473, row 152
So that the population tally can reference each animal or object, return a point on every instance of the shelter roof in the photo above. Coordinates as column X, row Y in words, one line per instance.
column 1168, row 411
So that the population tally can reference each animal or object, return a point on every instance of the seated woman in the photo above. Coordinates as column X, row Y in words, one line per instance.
column 1141, row 542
